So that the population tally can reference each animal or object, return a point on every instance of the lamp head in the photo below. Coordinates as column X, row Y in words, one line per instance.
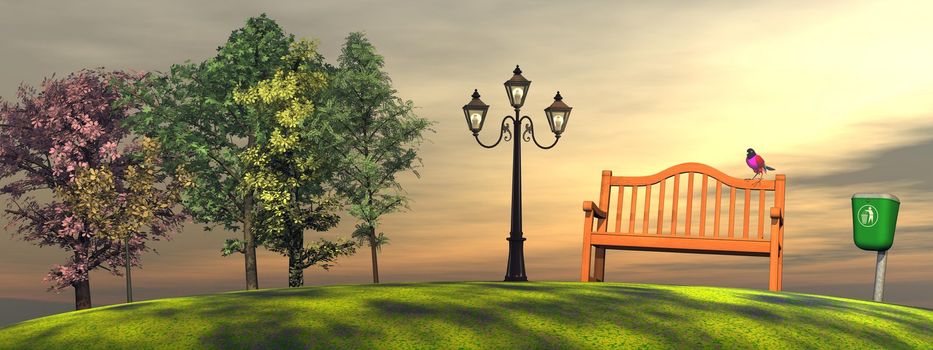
column 517, row 88
column 475, row 113
column 558, row 114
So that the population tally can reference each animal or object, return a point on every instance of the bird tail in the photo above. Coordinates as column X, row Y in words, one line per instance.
column 768, row 168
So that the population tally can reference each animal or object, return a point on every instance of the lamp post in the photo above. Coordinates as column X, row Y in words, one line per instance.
column 558, row 113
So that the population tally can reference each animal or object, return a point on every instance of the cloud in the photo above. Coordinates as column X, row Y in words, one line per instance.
column 910, row 163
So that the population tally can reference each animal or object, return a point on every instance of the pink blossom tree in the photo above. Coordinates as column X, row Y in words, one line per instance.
column 66, row 141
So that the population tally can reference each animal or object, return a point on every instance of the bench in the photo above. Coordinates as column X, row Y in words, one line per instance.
column 657, row 228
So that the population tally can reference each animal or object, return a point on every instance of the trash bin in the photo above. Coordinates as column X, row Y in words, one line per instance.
column 874, row 216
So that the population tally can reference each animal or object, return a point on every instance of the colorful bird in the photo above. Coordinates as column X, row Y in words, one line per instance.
column 757, row 163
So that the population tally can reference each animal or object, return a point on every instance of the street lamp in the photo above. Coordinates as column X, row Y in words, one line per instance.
column 558, row 114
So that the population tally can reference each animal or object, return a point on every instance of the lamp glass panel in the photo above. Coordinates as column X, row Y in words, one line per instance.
column 558, row 120
column 476, row 118
column 517, row 93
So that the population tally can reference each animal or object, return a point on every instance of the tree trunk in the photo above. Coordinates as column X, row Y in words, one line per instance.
column 83, row 294
column 296, row 274
column 372, row 244
column 252, row 276
column 129, row 277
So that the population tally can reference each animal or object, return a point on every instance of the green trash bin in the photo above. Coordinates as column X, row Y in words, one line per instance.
column 874, row 216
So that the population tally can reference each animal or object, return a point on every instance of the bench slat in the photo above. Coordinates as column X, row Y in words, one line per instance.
column 748, row 203
column 631, row 220
column 661, row 207
column 703, row 207
column 681, row 243
column 689, row 213
column 718, row 204
column 619, row 208
column 761, row 214
column 731, row 210
column 676, row 197
column 644, row 224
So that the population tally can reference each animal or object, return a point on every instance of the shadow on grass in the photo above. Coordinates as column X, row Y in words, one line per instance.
column 914, row 323
column 304, row 292
column 435, row 322
column 669, row 318
column 47, row 333
column 648, row 313
column 490, row 315
column 880, row 310
column 564, row 309
column 238, row 325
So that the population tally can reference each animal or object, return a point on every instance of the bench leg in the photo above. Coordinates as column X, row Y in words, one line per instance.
column 774, row 283
column 585, row 275
column 780, row 273
column 599, row 270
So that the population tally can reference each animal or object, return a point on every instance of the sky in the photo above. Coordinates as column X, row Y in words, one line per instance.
column 836, row 95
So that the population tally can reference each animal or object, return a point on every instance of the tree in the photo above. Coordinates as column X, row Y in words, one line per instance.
column 381, row 133
column 120, row 213
column 64, row 140
column 191, row 112
column 288, row 170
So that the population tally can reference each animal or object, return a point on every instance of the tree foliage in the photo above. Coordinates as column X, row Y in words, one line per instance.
column 288, row 171
column 65, row 140
column 190, row 110
column 380, row 133
column 122, row 213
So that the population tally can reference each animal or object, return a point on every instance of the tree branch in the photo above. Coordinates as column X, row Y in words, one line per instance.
column 222, row 165
column 14, row 126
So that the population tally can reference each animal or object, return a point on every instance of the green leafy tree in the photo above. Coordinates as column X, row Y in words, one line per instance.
column 287, row 171
column 380, row 135
column 190, row 110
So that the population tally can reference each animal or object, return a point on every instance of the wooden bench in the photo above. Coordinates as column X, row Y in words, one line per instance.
column 659, row 226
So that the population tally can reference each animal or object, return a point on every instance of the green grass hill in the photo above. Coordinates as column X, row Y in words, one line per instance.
column 484, row 315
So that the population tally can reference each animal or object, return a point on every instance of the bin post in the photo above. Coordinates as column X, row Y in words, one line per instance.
column 879, row 274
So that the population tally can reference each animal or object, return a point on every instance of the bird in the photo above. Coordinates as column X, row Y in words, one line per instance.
column 757, row 163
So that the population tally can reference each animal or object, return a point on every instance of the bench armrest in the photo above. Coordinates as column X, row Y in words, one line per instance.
column 589, row 206
column 776, row 213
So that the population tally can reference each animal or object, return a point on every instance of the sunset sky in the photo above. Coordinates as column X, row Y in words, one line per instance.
column 837, row 95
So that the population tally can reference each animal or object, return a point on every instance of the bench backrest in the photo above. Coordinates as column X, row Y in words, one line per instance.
column 659, row 205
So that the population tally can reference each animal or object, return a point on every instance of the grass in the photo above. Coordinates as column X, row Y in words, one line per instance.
column 484, row 315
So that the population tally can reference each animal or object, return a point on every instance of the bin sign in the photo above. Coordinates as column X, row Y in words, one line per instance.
column 874, row 217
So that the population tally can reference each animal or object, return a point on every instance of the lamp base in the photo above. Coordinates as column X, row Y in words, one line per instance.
column 515, row 272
